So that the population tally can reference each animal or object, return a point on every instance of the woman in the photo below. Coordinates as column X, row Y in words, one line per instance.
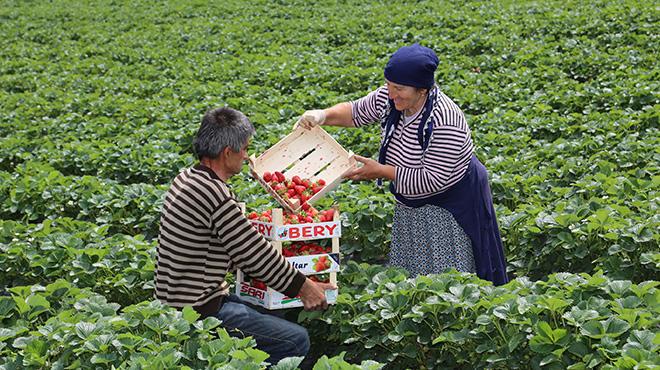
column 444, row 214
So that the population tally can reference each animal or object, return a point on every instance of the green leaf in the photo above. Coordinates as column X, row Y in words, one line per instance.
column 7, row 304
column 642, row 339
column 103, row 358
column 612, row 327
column 256, row 355
column 85, row 329
column 289, row 363
column 37, row 300
column 514, row 341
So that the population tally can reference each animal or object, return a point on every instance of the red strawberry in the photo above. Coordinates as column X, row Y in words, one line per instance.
column 309, row 219
column 291, row 193
column 299, row 189
column 268, row 176
column 296, row 180
column 329, row 214
column 253, row 216
column 258, row 284
column 320, row 182
column 280, row 176
column 306, row 206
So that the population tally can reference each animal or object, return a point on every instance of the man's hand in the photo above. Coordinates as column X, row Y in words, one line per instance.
column 312, row 295
column 311, row 118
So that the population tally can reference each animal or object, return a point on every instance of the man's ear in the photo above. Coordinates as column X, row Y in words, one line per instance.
column 226, row 151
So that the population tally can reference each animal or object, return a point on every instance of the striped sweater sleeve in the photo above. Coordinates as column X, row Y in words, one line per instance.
column 252, row 253
column 444, row 161
column 370, row 108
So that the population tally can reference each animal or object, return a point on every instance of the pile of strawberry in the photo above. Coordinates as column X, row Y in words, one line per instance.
column 296, row 188
column 304, row 249
column 308, row 214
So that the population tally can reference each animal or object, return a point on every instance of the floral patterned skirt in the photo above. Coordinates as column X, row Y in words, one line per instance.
column 428, row 240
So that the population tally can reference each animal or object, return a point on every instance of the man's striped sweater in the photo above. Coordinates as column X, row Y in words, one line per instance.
column 203, row 235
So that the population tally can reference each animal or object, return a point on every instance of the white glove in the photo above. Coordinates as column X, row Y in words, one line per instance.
column 311, row 118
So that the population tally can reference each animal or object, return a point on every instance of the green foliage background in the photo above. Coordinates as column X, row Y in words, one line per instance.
column 99, row 102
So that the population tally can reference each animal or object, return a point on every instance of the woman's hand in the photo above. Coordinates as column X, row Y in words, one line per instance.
column 338, row 115
column 370, row 170
column 311, row 118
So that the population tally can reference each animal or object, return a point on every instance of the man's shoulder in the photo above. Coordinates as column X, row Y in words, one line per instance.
column 204, row 184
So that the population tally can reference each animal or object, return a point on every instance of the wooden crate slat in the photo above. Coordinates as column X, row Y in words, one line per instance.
column 310, row 164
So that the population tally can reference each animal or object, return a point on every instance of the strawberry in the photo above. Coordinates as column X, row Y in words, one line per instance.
column 290, row 193
column 321, row 182
column 329, row 214
column 280, row 176
column 253, row 216
column 267, row 176
column 258, row 284
column 306, row 206
column 296, row 179
column 300, row 189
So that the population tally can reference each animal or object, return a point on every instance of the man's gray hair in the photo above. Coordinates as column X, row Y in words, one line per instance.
column 222, row 127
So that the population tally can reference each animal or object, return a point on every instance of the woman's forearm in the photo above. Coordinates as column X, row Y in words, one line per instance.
column 388, row 172
column 339, row 115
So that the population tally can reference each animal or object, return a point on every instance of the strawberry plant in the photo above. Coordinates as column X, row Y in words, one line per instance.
column 96, row 119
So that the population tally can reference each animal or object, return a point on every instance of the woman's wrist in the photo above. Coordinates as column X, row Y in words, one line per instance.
column 387, row 172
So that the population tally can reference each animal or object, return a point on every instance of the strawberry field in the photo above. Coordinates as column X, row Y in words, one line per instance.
column 99, row 102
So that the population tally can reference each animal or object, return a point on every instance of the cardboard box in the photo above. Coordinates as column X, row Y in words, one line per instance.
column 272, row 299
column 311, row 154
column 277, row 232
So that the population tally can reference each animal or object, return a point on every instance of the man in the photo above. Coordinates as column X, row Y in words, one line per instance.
column 203, row 235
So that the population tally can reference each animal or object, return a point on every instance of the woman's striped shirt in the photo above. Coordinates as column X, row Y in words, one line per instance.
column 419, row 173
column 203, row 235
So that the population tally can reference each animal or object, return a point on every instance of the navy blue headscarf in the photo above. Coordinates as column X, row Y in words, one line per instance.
column 414, row 66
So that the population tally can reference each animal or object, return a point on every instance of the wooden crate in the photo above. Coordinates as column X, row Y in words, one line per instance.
column 311, row 154
column 272, row 299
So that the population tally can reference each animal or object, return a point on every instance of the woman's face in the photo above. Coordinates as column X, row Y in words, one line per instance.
column 406, row 97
